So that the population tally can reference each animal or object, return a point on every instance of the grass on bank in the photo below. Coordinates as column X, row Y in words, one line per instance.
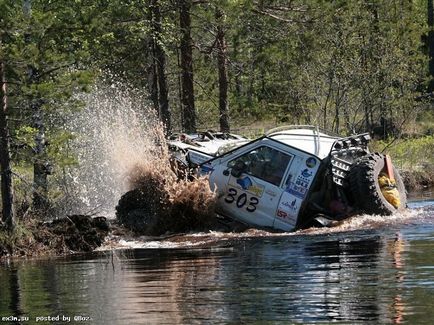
column 408, row 154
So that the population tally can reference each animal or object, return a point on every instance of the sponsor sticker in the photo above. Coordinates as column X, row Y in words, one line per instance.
column 310, row 162
column 288, row 209
column 302, row 182
column 297, row 190
column 248, row 185
column 299, row 187
column 292, row 206
column 282, row 214
column 306, row 173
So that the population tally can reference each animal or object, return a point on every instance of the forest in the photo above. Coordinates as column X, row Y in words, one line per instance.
column 235, row 66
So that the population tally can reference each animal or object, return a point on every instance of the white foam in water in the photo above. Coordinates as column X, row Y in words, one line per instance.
column 360, row 222
column 366, row 221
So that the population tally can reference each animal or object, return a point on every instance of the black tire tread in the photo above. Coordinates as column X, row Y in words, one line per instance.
column 364, row 187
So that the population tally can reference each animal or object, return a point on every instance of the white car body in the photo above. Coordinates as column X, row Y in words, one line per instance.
column 277, row 173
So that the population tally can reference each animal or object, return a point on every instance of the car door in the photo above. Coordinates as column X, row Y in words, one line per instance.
column 250, row 185
column 298, row 181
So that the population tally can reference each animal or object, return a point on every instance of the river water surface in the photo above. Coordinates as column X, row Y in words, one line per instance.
column 368, row 269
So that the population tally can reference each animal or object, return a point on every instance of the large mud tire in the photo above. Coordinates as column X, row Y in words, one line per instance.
column 365, row 189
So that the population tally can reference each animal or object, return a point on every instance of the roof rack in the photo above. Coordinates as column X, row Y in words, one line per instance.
column 315, row 133
column 297, row 127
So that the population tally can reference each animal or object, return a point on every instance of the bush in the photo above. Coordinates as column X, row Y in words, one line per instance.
column 409, row 154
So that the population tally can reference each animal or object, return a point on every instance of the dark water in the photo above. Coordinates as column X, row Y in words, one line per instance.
column 363, row 271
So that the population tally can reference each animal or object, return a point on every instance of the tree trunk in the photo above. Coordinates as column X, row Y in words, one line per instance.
column 366, row 108
column 237, row 81
column 223, row 74
column 163, row 97
column 431, row 44
column 40, row 164
column 187, row 95
column 337, row 109
column 160, row 63
column 152, row 77
column 8, row 214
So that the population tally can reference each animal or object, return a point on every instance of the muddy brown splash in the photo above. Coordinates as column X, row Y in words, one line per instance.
column 121, row 146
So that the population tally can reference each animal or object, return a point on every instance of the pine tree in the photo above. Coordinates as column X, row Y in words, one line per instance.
column 186, row 52
column 8, row 214
column 222, row 63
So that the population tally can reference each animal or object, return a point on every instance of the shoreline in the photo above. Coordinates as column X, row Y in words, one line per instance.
column 418, row 180
column 60, row 237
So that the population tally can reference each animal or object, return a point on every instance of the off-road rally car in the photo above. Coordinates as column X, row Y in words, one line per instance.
column 292, row 177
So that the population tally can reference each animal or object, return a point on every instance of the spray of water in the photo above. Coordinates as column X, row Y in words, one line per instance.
column 121, row 145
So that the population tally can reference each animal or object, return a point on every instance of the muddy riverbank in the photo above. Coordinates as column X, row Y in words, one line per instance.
column 77, row 233
column 416, row 180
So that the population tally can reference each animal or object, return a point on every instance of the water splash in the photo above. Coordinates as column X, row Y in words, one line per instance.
column 120, row 144
column 114, row 132
column 369, row 222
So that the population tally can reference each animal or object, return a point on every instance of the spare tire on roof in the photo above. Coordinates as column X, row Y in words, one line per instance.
column 365, row 188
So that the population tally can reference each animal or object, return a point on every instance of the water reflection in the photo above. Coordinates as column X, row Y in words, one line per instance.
column 377, row 276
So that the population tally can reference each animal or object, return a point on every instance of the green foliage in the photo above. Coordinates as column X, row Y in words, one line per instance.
column 409, row 154
column 425, row 122
column 45, row 49
column 342, row 65
column 339, row 64
column 25, row 136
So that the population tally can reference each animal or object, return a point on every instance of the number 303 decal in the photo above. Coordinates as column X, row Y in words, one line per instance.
column 241, row 201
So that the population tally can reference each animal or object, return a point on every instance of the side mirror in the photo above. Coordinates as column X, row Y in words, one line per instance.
column 239, row 168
